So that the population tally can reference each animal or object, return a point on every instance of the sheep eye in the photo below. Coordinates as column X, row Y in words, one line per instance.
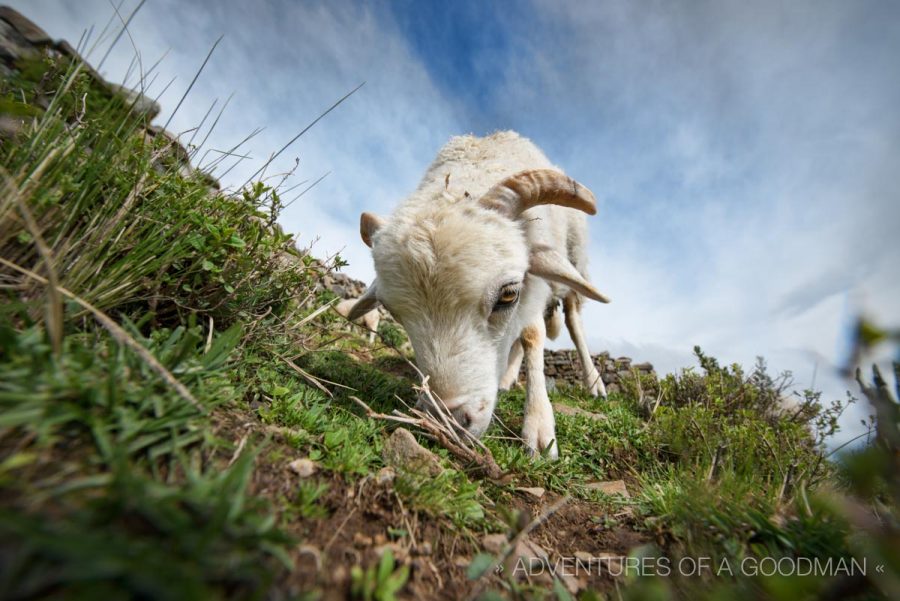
column 507, row 297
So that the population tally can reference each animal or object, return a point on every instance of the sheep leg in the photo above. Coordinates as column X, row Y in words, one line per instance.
column 539, row 427
column 592, row 380
column 371, row 320
column 514, row 365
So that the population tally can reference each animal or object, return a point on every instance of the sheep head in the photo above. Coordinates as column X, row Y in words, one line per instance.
column 464, row 280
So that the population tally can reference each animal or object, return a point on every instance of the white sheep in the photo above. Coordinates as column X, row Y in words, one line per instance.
column 493, row 239
column 369, row 320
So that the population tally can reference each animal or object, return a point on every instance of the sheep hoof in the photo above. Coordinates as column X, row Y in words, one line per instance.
column 540, row 439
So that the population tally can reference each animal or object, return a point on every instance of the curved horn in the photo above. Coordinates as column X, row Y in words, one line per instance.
column 520, row 192
column 366, row 302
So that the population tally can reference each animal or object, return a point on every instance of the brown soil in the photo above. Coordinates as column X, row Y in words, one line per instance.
column 355, row 531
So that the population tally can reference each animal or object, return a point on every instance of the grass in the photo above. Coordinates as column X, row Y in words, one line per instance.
column 111, row 476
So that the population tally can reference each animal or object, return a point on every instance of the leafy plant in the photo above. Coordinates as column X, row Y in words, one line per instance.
column 380, row 583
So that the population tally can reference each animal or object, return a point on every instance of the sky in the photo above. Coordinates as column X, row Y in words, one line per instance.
column 745, row 156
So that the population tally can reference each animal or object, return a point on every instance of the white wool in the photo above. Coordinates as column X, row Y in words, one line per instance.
column 441, row 259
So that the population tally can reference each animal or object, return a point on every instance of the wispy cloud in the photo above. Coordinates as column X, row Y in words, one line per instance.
column 747, row 157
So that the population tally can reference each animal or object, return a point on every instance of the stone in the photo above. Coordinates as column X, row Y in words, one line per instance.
column 361, row 540
column 576, row 411
column 462, row 561
column 612, row 487
column 385, row 476
column 494, row 543
column 573, row 583
column 139, row 103
column 402, row 450
column 551, row 385
column 423, row 548
column 303, row 467
column 172, row 143
column 583, row 556
column 28, row 30
column 396, row 550
column 531, row 560
column 10, row 126
column 12, row 45
column 536, row 491
column 66, row 49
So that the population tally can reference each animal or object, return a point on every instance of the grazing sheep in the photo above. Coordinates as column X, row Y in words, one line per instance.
column 369, row 320
column 493, row 239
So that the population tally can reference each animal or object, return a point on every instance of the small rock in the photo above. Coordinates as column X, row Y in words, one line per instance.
column 303, row 467
column 551, row 385
column 339, row 574
column 396, row 550
column 361, row 540
column 380, row 539
column 462, row 561
column 494, row 543
column 536, row 492
column 573, row 583
column 402, row 450
column 28, row 30
column 613, row 487
column 583, row 556
column 610, row 563
column 424, row 548
column 13, row 46
column 139, row 103
column 575, row 411
column 385, row 476
column 531, row 560
column 10, row 126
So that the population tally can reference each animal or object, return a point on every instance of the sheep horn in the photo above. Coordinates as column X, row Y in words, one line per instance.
column 519, row 192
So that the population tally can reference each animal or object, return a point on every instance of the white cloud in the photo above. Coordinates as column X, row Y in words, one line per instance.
column 285, row 63
column 747, row 161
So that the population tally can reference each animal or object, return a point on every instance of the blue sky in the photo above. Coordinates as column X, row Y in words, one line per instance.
column 745, row 156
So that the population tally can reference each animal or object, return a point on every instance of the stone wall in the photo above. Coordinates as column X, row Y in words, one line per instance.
column 343, row 285
column 562, row 367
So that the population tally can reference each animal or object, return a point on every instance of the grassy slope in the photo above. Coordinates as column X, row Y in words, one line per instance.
column 114, row 484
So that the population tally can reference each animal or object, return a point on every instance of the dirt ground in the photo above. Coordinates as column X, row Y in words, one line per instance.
column 356, row 532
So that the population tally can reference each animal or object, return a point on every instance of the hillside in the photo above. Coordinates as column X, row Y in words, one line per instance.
column 184, row 416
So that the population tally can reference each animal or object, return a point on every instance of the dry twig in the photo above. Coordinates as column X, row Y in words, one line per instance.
column 446, row 432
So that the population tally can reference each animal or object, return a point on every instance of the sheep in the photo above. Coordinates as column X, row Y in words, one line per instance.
column 369, row 320
column 493, row 238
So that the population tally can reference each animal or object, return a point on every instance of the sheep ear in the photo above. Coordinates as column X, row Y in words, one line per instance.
column 518, row 193
column 366, row 302
column 550, row 265
column 369, row 223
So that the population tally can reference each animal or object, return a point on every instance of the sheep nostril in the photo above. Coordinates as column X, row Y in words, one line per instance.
column 465, row 420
